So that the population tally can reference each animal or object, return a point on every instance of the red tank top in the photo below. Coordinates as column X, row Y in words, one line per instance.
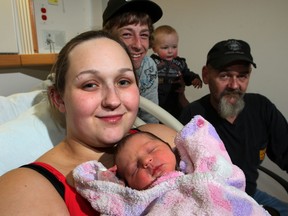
column 76, row 204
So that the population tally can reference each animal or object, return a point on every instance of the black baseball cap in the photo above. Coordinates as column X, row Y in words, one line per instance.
column 115, row 7
column 225, row 52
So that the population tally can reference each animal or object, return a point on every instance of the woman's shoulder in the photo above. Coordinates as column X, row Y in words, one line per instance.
column 23, row 188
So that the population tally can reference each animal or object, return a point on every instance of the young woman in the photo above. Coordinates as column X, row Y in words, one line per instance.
column 95, row 87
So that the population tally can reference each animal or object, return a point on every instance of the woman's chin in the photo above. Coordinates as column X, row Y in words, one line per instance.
column 111, row 138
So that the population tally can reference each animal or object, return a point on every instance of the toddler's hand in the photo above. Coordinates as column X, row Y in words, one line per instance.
column 197, row 83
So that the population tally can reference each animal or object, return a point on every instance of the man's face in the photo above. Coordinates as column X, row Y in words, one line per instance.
column 227, row 87
column 136, row 37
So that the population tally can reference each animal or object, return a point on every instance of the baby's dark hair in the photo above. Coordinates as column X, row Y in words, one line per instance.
column 124, row 140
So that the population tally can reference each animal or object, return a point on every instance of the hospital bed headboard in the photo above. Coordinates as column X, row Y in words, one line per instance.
column 158, row 112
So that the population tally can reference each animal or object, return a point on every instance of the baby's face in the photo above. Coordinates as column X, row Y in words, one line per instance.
column 143, row 159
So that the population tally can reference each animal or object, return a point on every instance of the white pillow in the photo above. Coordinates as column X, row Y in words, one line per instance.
column 13, row 105
column 25, row 138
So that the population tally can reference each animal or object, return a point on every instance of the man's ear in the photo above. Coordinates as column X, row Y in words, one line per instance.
column 56, row 99
column 205, row 74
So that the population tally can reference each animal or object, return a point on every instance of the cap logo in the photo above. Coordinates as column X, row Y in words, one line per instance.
column 234, row 46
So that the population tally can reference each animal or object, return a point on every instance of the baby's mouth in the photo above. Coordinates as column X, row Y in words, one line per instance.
column 157, row 171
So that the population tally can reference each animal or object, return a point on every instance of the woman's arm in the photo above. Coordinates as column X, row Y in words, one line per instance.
column 25, row 192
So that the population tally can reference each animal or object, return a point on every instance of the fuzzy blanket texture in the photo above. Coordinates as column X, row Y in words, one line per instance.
column 208, row 183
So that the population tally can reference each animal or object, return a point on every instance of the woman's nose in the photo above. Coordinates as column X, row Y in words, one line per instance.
column 111, row 98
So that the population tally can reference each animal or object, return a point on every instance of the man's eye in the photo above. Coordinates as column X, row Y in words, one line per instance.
column 145, row 36
column 243, row 77
column 126, row 35
column 223, row 76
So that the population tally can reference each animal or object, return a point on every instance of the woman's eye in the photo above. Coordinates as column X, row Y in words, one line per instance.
column 89, row 86
column 124, row 82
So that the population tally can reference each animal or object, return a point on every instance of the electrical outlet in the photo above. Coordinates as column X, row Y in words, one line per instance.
column 53, row 40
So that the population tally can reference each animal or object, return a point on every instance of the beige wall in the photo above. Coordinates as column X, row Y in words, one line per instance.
column 262, row 23
column 202, row 23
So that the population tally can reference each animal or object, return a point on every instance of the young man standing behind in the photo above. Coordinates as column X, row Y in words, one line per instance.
column 132, row 21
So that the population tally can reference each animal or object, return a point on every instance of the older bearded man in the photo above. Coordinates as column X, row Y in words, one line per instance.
column 249, row 124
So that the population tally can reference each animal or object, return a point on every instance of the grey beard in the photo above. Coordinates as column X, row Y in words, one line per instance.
column 227, row 110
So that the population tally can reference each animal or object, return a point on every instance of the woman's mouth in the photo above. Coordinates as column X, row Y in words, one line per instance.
column 112, row 118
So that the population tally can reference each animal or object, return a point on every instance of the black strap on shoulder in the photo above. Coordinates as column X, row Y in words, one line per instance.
column 47, row 174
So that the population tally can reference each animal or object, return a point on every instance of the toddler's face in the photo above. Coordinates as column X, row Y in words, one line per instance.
column 166, row 46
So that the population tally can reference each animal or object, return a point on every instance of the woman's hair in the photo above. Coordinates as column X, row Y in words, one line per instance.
column 128, row 18
column 61, row 66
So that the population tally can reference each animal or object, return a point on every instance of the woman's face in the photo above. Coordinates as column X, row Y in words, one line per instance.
column 101, row 96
